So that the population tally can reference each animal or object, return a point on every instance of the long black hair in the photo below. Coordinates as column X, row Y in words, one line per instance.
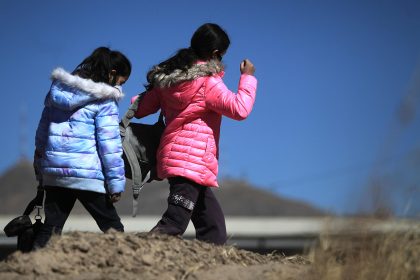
column 100, row 63
column 205, row 40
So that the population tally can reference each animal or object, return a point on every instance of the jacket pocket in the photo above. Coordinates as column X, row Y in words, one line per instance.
column 209, row 154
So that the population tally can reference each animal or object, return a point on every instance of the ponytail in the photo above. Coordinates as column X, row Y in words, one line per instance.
column 182, row 60
column 100, row 63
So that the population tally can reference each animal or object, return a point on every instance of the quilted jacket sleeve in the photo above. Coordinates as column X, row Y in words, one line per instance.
column 150, row 104
column 41, row 138
column 236, row 106
column 109, row 146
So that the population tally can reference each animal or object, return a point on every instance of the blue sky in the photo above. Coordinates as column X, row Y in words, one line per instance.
column 332, row 76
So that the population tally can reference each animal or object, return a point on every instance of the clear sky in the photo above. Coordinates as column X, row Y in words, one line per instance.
column 333, row 76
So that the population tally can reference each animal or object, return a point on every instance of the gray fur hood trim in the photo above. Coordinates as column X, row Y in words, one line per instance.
column 98, row 90
column 162, row 80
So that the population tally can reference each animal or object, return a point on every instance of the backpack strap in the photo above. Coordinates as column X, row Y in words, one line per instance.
column 137, row 181
column 37, row 202
column 125, row 121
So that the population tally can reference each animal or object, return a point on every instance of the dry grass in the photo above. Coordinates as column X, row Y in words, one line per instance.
column 366, row 254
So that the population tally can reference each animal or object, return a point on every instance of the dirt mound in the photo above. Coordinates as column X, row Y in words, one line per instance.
column 127, row 256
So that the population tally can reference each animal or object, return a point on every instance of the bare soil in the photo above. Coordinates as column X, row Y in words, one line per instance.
column 84, row 255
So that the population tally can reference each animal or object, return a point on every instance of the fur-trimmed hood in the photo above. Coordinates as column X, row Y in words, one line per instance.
column 201, row 69
column 98, row 90
column 70, row 91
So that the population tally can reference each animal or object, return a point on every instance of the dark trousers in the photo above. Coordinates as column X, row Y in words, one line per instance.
column 60, row 201
column 191, row 201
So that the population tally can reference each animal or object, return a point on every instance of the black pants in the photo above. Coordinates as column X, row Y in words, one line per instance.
column 191, row 201
column 60, row 201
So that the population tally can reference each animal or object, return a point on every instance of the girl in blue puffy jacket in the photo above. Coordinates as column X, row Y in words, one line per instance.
column 78, row 146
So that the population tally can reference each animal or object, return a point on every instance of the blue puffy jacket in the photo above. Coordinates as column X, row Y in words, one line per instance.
column 78, row 142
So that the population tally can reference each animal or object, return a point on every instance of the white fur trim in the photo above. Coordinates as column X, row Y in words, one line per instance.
column 99, row 90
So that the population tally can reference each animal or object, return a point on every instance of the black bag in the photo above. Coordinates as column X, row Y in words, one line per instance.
column 22, row 226
column 140, row 143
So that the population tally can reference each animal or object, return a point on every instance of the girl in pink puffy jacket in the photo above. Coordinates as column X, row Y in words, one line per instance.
column 189, row 90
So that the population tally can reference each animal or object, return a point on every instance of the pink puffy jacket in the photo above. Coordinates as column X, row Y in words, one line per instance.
column 193, row 112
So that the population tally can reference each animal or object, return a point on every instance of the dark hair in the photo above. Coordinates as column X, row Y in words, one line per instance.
column 208, row 38
column 101, row 62
column 205, row 40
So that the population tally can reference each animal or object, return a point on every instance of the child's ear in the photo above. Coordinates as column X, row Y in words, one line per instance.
column 112, row 76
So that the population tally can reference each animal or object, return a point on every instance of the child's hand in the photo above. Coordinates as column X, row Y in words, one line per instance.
column 115, row 197
column 247, row 67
